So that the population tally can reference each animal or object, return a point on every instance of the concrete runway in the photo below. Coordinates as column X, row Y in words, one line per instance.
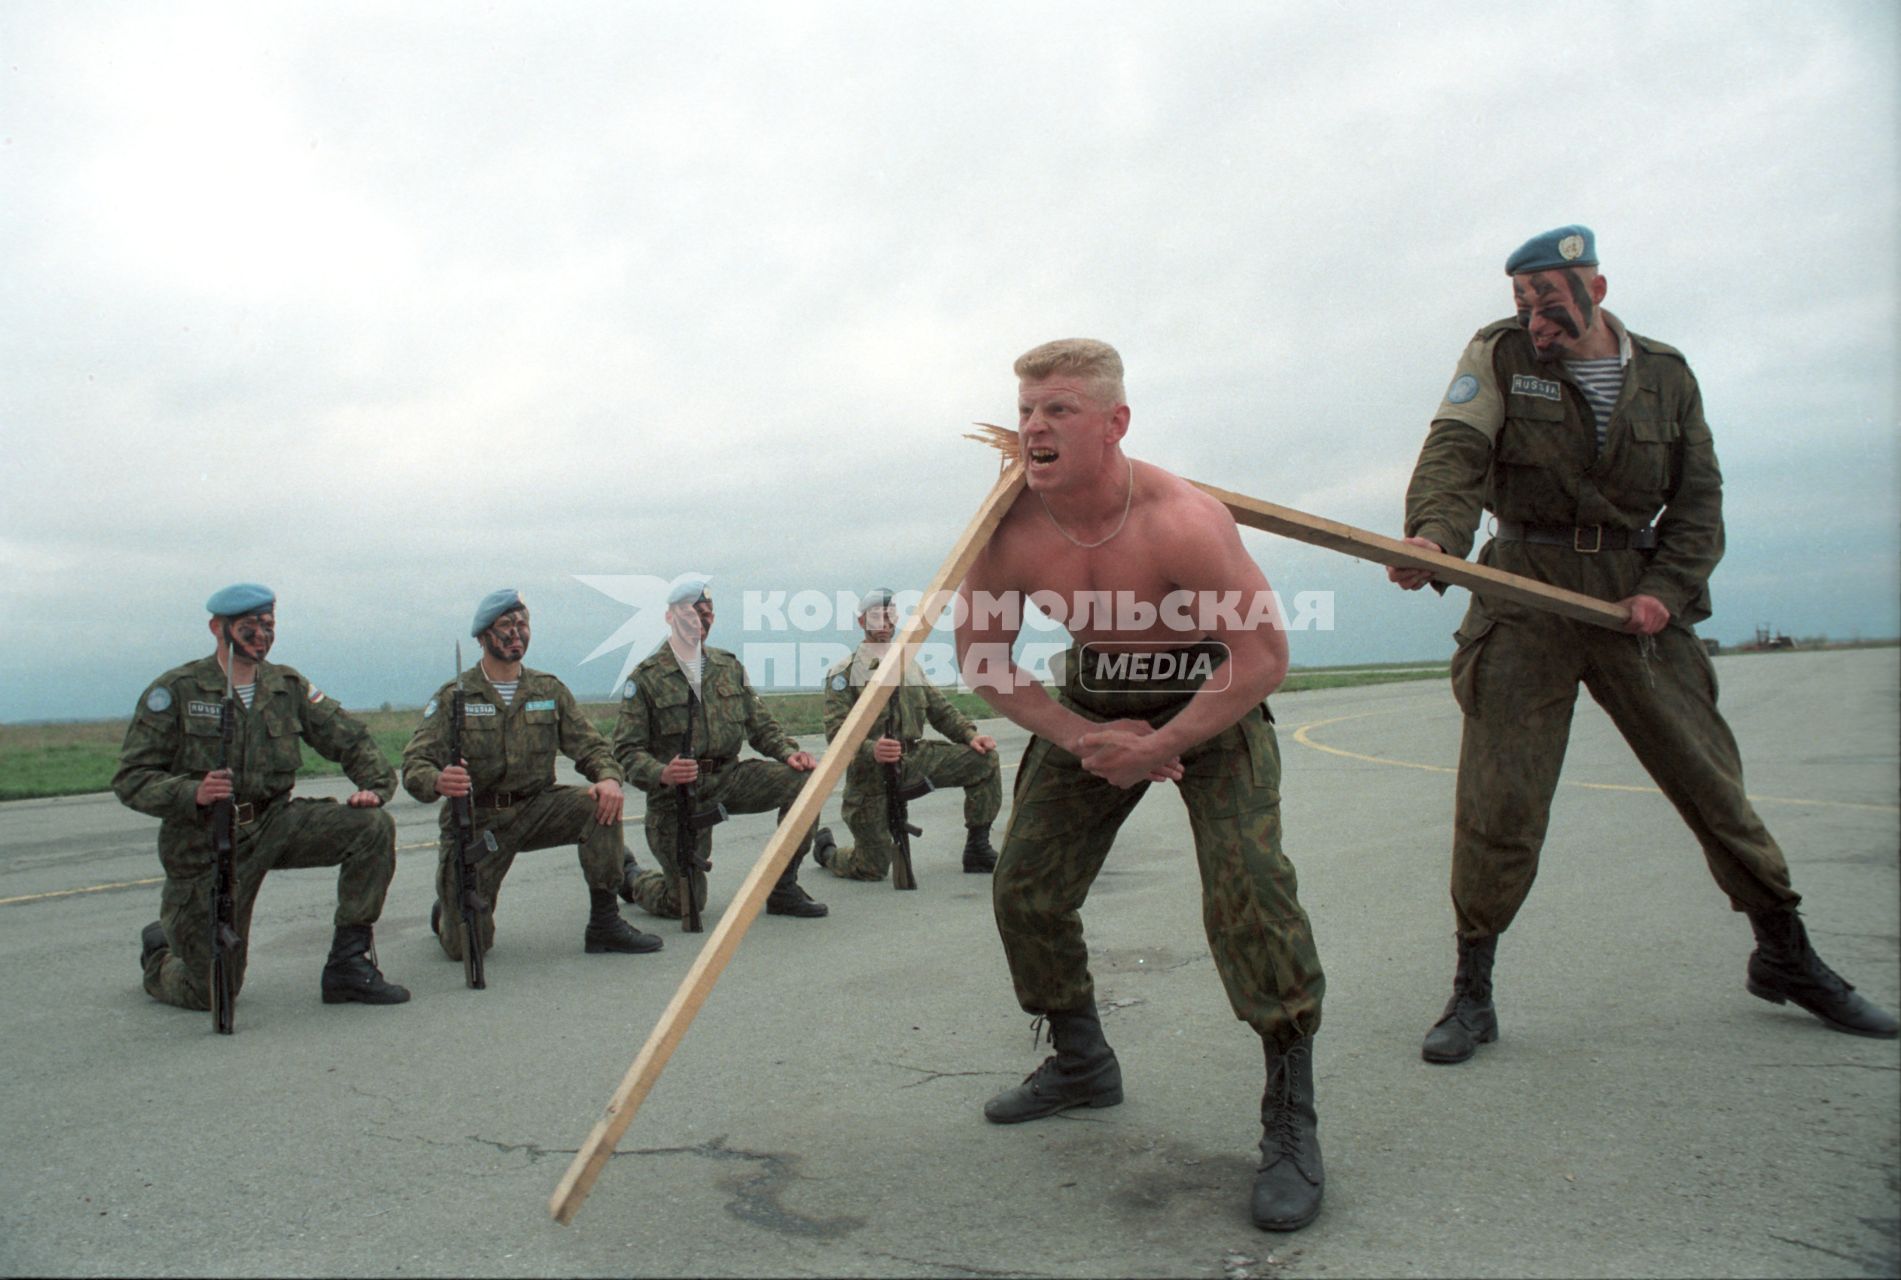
column 1641, row 1114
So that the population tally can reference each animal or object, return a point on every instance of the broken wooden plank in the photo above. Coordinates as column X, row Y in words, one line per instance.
column 1367, row 545
column 724, row 939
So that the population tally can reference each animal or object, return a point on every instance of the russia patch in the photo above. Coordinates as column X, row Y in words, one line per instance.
column 1464, row 388
column 316, row 694
column 209, row 710
column 159, row 699
column 478, row 708
column 1523, row 384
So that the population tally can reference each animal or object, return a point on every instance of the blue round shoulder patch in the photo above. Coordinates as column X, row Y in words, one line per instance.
column 1464, row 387
column 429, row 710
column 839, row 682
column 627, row 690
column 159, row 699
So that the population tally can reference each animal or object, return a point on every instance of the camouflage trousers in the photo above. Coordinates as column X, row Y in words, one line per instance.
column 748, row 786
column 287, row 834
column 1517, row 682
column 1063, row 821
column 945, row 764
column 556, row 816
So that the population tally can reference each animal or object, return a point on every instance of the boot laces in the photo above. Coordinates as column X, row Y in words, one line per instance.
column 1281, row 1131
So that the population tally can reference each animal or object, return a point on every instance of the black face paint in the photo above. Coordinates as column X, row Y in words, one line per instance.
column 1581, row 295
column 1562, row 318
column 506, row 639
column 251, row 642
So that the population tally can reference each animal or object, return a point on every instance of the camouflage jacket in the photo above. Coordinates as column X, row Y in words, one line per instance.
column 1516, row 437
column 653, row 720
column 173, row 741
column 509, row 746
column 917, row 700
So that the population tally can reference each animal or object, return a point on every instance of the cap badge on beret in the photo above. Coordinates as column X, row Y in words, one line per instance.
column 1567, row 246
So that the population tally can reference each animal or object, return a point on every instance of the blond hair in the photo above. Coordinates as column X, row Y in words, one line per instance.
column 1095, row 362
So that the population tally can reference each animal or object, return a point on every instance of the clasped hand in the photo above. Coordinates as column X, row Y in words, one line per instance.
column 1123, row 753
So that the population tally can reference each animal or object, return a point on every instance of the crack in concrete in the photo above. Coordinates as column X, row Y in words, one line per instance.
column 534, row 1149
column 953, row 1268
column 1866, row 1264
column 927, row 1074
column 756, row 1197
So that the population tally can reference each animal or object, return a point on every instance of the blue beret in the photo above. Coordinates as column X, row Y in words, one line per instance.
column 1553, row 250
column 876, row 598
column 689, row 590
column 493, row 606
column 239, row 599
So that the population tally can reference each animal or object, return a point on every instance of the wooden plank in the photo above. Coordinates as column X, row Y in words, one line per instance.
column 744, row 909
column 1366, row 545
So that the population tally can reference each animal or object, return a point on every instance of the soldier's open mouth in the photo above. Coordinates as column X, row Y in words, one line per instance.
column 1040, row 457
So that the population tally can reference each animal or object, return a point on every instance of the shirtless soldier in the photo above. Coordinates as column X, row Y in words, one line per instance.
column 1095, row 527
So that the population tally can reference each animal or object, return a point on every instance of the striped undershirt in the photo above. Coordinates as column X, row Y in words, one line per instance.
column 1601, row 381
column 505, row 689
column 245, row 693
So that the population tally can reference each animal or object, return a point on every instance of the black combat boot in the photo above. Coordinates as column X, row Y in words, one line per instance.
column 606, row 931
column 1288, row 1184
column 1784, row 967
column 1469, row 1020
column 629, row 872
column 824, row 848
column 351, row 973
column 979, row 857
column 1083, row 1072
column 788, row 899
column 151, row 942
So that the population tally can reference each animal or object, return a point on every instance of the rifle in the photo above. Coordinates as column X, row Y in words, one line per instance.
column 897, row 807
column 224, row 820
column 469, row 902
column 686, row 830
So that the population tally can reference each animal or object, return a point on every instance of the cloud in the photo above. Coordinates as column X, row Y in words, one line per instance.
column 385, row 306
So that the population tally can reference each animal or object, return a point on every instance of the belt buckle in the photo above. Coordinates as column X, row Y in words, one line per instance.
column 1577, row 540
column 245, row 814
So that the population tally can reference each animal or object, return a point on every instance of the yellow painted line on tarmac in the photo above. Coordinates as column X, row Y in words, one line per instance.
column 137, row 884
column 91, row 888
column 1303, row 736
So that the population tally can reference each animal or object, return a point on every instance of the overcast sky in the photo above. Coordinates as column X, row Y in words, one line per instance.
column 388, row 305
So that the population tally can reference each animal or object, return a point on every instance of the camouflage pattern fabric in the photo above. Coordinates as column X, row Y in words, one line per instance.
column 1063, row 821
column 652, row 727
column 1524, row 447
column 511, row 749
column 173, row 741
column 918, row 703
column 749, row 786
column 1517, row 683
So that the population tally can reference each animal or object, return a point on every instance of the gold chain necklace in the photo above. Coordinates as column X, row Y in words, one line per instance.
column 1128, row 499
